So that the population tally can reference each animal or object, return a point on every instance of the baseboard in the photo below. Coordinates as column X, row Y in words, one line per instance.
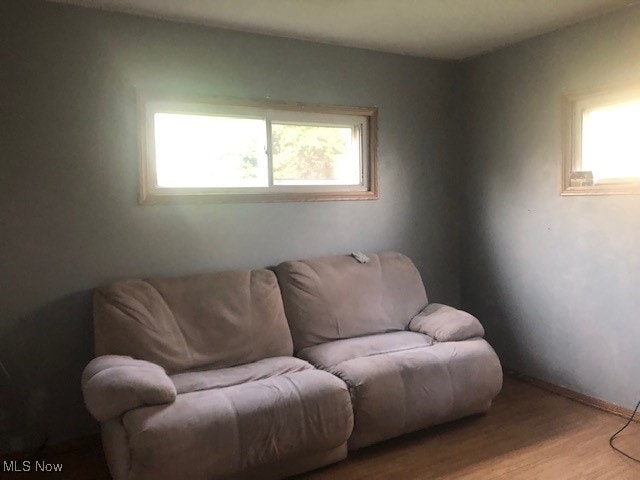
column 573, row 395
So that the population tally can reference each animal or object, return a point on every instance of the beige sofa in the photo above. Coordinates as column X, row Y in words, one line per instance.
column 194, row 376
column 194, row 379
column 408, row 364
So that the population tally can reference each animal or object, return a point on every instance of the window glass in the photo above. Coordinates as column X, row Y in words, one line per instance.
column 611, row 141
column 210, row 151
column 315, row 155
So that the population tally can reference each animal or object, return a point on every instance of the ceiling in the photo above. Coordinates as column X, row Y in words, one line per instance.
column 447, row 29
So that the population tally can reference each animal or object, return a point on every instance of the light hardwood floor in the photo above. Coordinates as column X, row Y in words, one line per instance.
column 529, row 433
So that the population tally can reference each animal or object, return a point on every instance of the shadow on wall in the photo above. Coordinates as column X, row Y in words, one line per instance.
column 485, row 294
column 43, row 358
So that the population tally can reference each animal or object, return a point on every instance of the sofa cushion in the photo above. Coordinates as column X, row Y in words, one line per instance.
column 218, row 433
column 181, row 323
column 400, row 392
column 332, row 353
column 227, row 377
column 334, row 298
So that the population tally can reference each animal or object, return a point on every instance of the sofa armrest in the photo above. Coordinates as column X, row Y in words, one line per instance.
column 114, row 384
column 446, row 324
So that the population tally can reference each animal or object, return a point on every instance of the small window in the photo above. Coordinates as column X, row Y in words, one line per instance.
column 602, row 143
column 238, row 151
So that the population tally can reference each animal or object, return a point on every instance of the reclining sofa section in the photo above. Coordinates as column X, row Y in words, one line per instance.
column 408, row 364
column 195, row 376
column 195, row 379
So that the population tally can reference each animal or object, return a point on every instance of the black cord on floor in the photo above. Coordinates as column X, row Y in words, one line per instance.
column 613, row 437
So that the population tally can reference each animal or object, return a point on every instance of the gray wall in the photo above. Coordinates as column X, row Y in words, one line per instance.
column 556, row 279
column 69, row 216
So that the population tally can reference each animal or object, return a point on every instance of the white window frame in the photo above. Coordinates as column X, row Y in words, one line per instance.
column 362, row 120
column 574, row 107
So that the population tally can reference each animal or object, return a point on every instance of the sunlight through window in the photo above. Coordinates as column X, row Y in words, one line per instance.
column 611, row 141
column 602, row 143
column 245, row 151
column 203, row 151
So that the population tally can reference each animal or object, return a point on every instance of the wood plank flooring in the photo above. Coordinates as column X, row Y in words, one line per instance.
column 528, row 434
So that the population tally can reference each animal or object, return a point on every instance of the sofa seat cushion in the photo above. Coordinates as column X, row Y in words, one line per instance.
column 226, row 377
column 332, row 353
column 222, row 432
column 406, row 390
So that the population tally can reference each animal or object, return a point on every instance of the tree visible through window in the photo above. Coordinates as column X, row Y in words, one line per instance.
column 303, row 153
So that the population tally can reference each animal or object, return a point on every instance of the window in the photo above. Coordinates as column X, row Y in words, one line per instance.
column 239, row 151
column 602, row 143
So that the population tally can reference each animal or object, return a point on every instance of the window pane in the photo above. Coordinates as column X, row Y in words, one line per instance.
column 611, row 141
column 315, row 155
column 199, row 151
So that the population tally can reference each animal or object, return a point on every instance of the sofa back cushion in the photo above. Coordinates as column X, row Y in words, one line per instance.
column 216, row 320
column 333, row 298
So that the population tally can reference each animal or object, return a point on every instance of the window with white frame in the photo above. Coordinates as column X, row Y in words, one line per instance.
column 224, row 150
column 602, row 143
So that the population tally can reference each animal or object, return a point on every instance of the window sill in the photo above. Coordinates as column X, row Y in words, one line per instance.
column 624, row 189
column 177, row 198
